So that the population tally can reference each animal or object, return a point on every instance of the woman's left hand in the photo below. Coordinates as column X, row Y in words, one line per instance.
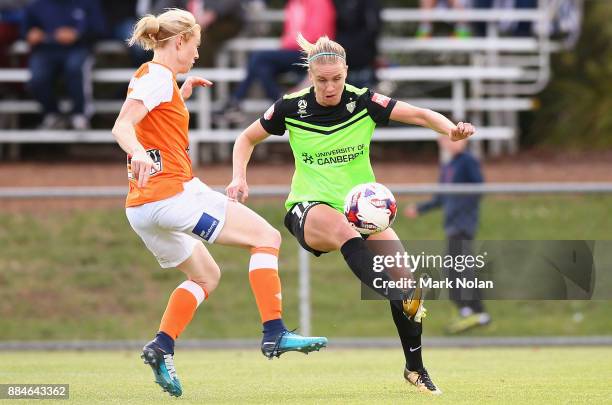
column 461, row 131
column 187, row 87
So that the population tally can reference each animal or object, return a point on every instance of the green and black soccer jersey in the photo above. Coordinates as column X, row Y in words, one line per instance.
column 331, row 145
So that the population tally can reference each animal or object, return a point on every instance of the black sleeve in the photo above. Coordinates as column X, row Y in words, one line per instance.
column 29, row 21
column 474, row 173
column 379, row 106
column 426, row 206
column 273, row 120
column 96, row 23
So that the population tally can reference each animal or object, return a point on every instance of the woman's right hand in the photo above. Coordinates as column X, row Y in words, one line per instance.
column 411, row 211
column 141, row 165
column 237, row 190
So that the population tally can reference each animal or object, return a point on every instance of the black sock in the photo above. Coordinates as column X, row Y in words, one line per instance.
column 361, row 260
column 165, row 342
column 272, row 328
column 410, row 335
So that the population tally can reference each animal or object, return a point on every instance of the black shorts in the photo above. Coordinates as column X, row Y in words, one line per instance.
column 295, row 219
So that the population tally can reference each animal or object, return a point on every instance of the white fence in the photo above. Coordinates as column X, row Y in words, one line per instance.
column 501, row 75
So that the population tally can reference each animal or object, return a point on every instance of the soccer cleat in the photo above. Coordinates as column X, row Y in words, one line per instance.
column 287, row 341
column 413, row 305
column 162, row 364
column 469, row 322
column 421, row 380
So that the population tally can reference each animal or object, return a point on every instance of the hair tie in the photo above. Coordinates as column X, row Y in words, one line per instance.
column 318, row 55
column 179, row 33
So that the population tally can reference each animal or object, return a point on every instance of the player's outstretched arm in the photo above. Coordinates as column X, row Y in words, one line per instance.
column 190, row 83
column 409, row 114
column 243, row 148
column 132, row 112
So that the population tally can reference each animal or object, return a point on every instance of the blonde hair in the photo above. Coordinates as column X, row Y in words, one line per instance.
column 151, row 32
column 323, row 51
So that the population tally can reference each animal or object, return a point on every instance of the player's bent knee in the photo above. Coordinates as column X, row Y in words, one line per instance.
column 202, row 269
column 271, row 237
column 206, row 287
column 209, row 280
column 342, row 232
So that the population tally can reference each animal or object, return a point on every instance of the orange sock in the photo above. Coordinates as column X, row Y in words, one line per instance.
column 265, row 283
column 182, row 304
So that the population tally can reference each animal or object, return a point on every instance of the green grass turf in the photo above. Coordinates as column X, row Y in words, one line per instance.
column 86, row 275
column 466, row 376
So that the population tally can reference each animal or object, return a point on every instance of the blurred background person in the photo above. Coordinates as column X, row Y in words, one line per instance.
column 220, row 20
column 311, row 18
column 121, row 17
column 60, row 34
column 426, row 27
column 358, row 25
column 513, row 28
column 11, row 19
column 461, row 216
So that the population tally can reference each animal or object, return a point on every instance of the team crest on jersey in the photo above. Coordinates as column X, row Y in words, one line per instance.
column 269, row 113
column 302, row 104
column 351, row 106
column 381, row 99
column 155, row 155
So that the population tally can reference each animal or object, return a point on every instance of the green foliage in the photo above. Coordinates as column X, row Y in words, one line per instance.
column 576, row 105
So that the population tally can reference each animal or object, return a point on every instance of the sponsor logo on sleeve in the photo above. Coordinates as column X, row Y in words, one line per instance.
column 381, row 99
column 269, row 113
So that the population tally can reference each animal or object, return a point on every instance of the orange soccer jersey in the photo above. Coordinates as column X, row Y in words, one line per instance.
column 163, row 133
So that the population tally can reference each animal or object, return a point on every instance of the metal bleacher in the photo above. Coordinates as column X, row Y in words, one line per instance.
column 498, row 80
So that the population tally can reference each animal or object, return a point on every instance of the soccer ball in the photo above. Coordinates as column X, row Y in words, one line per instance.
column 370, row 208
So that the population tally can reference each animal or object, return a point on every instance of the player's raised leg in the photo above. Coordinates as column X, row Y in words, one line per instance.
column 245, row 228
column 326, row 229
column 412, row 303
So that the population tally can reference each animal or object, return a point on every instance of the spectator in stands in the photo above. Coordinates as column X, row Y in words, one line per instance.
column 11, row 18
column 220, row 20
column 60, row 33
column 358, row 24
column 312, row 18
column 121, row 17
column 461, row 214
column 509, row 27
column 426, row 28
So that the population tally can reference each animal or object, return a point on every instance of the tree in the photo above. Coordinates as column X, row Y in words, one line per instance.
column 577, row 105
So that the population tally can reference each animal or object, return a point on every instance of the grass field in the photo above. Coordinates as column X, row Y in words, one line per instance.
column 466, row 376
column 86, row 275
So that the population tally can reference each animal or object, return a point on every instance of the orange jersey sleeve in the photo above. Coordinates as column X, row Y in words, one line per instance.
column 163, row 132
